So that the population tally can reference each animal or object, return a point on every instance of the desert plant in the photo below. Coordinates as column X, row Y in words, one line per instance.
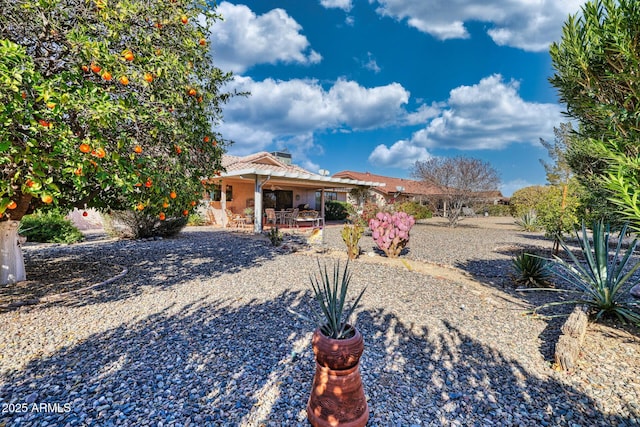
column 531, row 270
column 330, row 291
column 528, row 221
column 275, row 236
column 195, row 219
column 391, row 231
column 351, row 234
column 49, row 227
column 599, row 278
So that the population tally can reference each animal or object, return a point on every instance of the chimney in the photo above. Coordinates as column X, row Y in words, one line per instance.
column 282, row 157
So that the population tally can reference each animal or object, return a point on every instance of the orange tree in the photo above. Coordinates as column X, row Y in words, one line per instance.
column 107, row 104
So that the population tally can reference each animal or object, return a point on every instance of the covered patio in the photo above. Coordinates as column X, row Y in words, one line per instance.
column 261, row 181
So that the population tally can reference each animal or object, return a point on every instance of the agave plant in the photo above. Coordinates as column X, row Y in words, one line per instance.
column 599, row 278
column 331, row 292
column 528, row 221
column 531, row 270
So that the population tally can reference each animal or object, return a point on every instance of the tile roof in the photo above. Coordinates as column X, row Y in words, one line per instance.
column 263, row 159
column 410, row 186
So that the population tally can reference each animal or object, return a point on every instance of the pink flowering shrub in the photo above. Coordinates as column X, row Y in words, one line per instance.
column 391, row 231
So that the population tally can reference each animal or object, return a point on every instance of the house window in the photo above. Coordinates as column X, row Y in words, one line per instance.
column 277, row 199
column 216, row 193
column 328, row 195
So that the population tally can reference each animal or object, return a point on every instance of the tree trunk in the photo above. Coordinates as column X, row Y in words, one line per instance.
column 11, row 261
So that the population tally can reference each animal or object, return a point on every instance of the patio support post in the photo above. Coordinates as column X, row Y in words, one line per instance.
column 257, row 206
column 223, row 204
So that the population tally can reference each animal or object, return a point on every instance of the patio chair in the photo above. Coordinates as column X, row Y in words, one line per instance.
column 291, row 217
column 271, row 215
column 234, row 220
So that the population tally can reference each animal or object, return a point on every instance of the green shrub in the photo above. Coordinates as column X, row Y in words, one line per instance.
column 336, row 211
column 351, row 234
column 362, row 217
column 531, row 270
column 493, row 210
column 415, row 209
column 49, row 227
column 138, row 225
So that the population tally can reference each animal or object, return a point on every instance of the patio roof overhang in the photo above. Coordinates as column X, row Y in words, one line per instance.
column 297, row 178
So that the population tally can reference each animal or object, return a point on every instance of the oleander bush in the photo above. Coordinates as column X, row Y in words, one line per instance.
column 49, row 227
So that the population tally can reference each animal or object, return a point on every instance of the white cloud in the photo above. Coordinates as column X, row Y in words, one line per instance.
column 526, row 24
column 371, row 63
column 278, row 111
column 488, row 115
column 402, row 154
column 243, row 39
column 345, row 5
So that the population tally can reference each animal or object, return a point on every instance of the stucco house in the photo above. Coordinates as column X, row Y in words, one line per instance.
column 270, row 180
column 394, row 190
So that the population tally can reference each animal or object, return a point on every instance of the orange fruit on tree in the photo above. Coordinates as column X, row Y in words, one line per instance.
column 47, row 198
column 29, row 183
column 137, row 149
column 128, row 55
column 148, row 184
column 184, row 19
column 148, row 77
column 106, row 76
column 193, row 203
column 51, row 105
column 137, row 184
column 12, row 205
column 214, row 143
column 178, row 149
column 200, row 99
column 78, row 172
column 124, row 80
column 165, row 205
column 161, row 216
column 202, row 42
column 100, row 153
column 44, row 123
column 158, row 52
column 173, row 195
column 95, row 68
column 85, row 148
column 185, row 212
column 23, row 95
column 192, row 92
column 140, row 206
column 206, row 138
column 85, row 68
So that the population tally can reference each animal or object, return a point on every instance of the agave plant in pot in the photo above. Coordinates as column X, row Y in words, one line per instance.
column 337, row 395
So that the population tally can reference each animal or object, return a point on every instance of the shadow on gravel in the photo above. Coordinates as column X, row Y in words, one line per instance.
column 248, row 363
column 194, row 254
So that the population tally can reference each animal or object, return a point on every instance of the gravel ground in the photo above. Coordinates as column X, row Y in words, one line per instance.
column 199, row 332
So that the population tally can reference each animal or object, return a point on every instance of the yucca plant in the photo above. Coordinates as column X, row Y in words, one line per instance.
column 528, row 221
column 531, row 270
column 331, row 292
column 600, row 278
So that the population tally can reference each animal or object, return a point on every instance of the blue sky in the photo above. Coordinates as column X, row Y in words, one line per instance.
column 374, row 85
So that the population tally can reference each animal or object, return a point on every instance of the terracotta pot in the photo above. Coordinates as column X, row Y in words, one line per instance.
column 337, row 396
